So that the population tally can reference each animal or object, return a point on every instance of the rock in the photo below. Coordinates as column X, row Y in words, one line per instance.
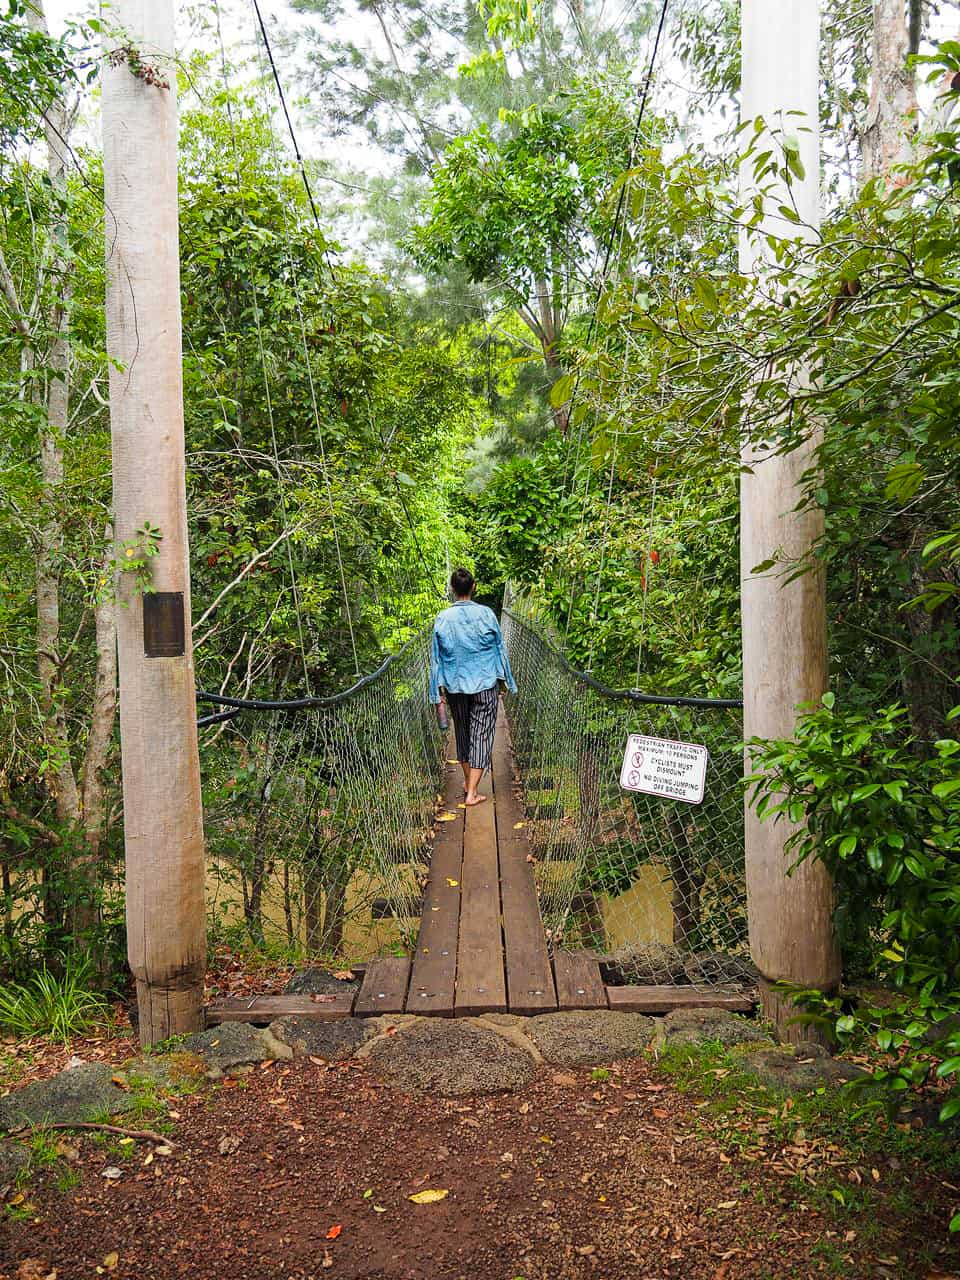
column 511, row 1028
column 173, row 1072
column 319, row 982
column 694, row 1026
column 451, row 1057
column 590, row 1037
column 81, row 1094
column 234, row 1044
column 657, row 964
column 948, row 1026
column 645, row 964
column 796, row 1069
column 14, row 1158
column 333, row 1039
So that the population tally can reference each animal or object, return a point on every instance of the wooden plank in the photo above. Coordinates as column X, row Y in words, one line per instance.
column 530, row 986
column 266, row 1008
column 663, row 999
column 384, row 987
column 433, row 975
column 579, row 984
column 481, row 985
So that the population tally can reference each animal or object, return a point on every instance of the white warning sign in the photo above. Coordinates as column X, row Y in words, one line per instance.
column 659, row 767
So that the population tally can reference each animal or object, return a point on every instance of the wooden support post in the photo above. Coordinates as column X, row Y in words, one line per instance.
column 784, row 623
column 162, row 812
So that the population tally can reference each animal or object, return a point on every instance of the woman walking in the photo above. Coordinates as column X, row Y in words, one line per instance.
column 467, row 662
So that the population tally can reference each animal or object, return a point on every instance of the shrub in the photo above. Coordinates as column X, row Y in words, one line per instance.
column 54, row 1005
column 882, row 811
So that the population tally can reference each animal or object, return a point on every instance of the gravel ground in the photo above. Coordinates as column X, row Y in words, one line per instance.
column 305, row 1170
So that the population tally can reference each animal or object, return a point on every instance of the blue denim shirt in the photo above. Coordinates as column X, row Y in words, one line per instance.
column 468, row 653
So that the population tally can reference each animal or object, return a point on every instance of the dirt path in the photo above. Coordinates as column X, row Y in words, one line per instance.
column 566, row 1178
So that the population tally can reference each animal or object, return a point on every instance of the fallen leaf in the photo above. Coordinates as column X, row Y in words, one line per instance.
column 728, row 1204
column 585, row 1250
column 327, row 1260
column 111, row 1173
column 343, row 975
column 518, row 825
column 446, row 817
column 334, row 1231
column 111, row 1260
column 228, row 1144
column 430, row 1196
column 35, row 1269
column 452, row 883
column 378, row 1208
column 163, row 1150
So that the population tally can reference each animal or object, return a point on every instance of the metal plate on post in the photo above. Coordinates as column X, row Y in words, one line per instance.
column 163, row 629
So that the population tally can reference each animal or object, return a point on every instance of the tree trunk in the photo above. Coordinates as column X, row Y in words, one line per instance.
column 687, row 882
column 163, row 824
column 61, row 780
column 784, row 623
column 886, row 139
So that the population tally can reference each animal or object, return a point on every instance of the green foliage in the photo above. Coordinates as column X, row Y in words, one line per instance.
column 51, row 1005
column 506, row 205
column 882, row 812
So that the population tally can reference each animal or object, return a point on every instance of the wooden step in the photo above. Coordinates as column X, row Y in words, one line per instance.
column 663, row 999
column 263, row 1009
column 579, row 983
column 384, row 987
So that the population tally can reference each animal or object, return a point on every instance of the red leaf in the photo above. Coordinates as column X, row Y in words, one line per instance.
column 334, row 1232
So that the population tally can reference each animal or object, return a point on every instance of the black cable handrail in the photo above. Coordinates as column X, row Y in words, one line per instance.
column 296, row 704
column 629, row 695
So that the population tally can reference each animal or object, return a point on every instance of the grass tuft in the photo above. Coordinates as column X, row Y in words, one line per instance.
column 52, row 1005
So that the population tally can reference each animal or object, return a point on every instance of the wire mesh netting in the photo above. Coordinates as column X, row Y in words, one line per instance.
column 656, row 885
column 318, row 814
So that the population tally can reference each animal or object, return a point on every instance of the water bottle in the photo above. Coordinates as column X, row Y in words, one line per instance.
column 442, row 720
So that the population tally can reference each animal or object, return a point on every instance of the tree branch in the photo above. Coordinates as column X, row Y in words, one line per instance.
column 251, row 564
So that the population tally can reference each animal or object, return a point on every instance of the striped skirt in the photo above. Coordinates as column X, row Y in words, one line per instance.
column 474, row 724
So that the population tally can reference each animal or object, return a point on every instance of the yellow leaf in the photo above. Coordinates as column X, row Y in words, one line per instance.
column 728, row 1204
column 378, row 1208
column 111, row 1260
column 453, row 762
column 447, row 817
column 429, row 1196
column 518, row 825
column 452, row 883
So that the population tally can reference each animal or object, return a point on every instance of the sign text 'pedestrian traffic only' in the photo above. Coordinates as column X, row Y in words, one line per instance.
column 658, row 767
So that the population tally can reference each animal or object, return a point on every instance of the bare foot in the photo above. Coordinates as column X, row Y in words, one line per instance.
column 477, row 799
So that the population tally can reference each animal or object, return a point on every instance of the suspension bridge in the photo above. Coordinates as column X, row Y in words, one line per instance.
column 508, row 904
column 583, row 894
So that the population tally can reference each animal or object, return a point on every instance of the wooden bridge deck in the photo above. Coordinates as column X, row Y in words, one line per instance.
column 481, row 946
